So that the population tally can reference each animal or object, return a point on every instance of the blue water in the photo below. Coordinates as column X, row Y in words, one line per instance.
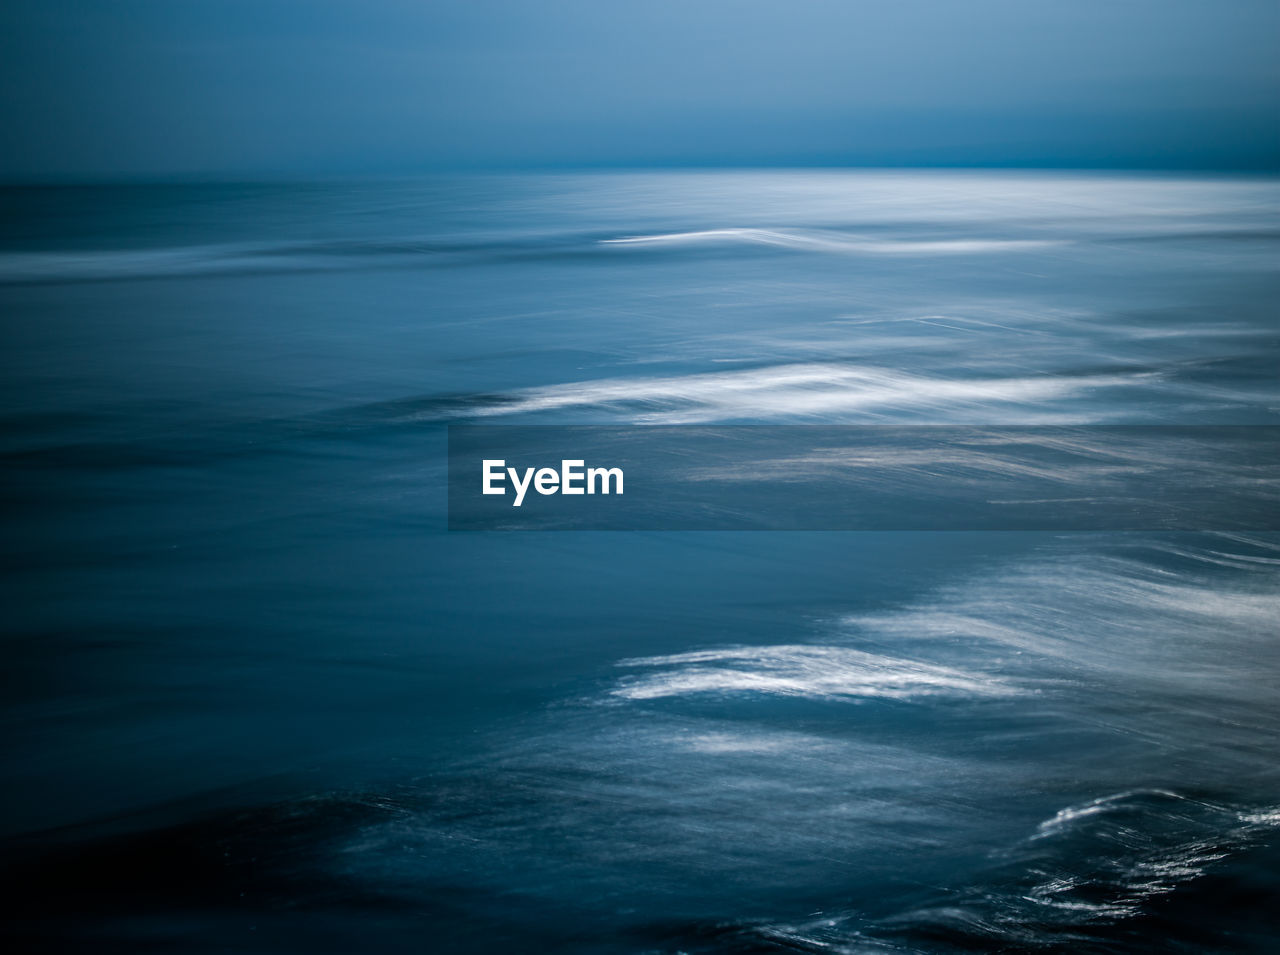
column 259, row 699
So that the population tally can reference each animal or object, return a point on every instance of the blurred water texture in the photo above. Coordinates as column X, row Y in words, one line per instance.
column 258, row 698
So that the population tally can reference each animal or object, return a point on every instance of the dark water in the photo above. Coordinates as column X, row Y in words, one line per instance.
column 258, row 699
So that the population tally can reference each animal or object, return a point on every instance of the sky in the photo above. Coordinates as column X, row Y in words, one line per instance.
column 169, row 88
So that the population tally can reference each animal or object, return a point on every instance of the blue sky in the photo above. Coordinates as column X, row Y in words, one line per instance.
column 106, row 88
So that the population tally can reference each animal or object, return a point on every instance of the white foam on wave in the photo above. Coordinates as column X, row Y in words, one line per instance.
column 1068, row 817
column 1093, row 864
column 1076, row 614
column 815, row 672
column 833, row 242
column 811, row 390
column 1150, row 841
column 1127, row 621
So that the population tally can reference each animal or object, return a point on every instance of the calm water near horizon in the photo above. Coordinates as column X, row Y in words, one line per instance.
column 258, row 698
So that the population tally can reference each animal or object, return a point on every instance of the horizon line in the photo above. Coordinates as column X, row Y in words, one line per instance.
column 212, row 177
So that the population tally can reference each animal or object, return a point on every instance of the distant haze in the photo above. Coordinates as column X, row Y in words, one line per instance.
column 139, row 88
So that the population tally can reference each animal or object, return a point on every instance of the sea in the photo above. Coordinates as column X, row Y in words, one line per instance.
column 258, row 697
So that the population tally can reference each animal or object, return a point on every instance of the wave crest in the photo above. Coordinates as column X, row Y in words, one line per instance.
column 815, row 241
column 813, row 672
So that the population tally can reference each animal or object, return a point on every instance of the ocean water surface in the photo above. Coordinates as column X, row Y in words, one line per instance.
column 258, row 698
